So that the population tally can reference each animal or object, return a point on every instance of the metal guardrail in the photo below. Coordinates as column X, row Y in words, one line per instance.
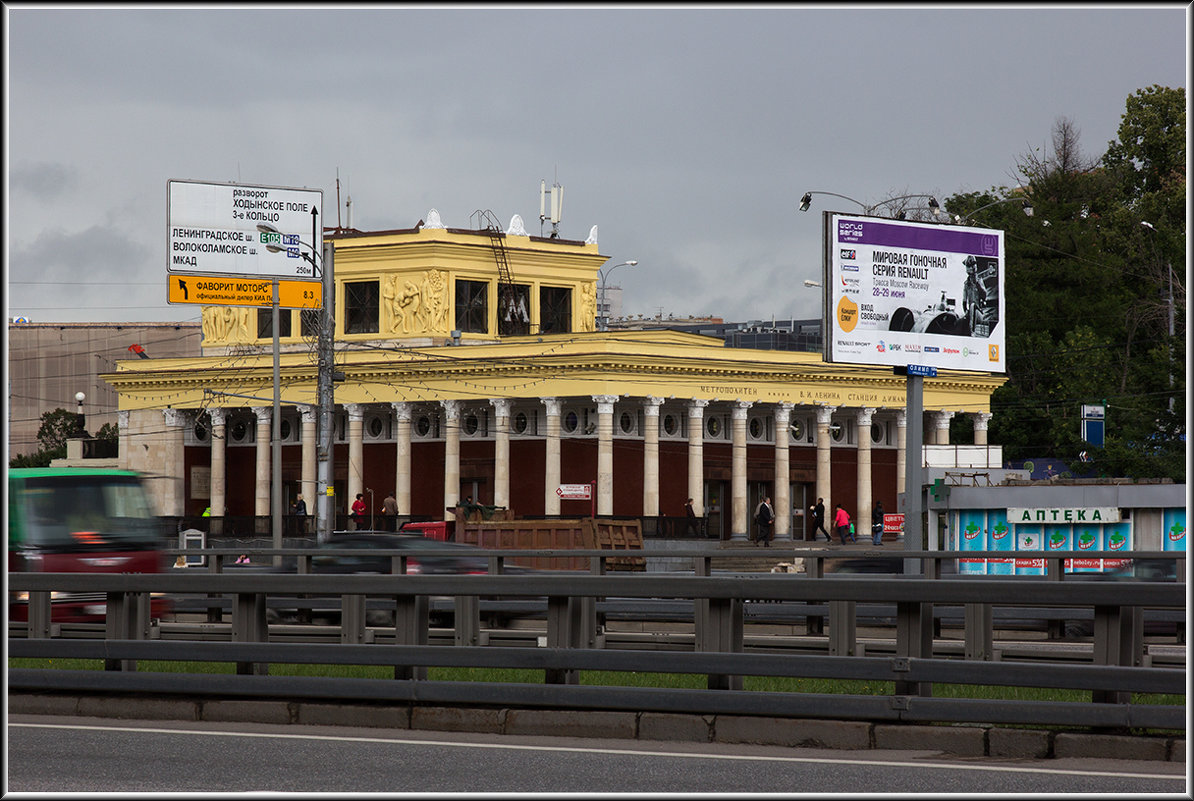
column 1117, row 671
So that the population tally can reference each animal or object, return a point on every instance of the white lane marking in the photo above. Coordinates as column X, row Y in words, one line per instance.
column 610, row 751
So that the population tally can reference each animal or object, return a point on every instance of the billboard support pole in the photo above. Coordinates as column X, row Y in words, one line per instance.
column 276, row 468
column 913, row 471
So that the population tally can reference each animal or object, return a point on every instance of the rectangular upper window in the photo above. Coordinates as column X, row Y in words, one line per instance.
column 555, row 310
column 361, row 303
column 514, row 310
column 265, row 323
column 472, row 307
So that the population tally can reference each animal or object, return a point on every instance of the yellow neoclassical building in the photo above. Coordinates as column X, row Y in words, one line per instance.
column 472, row 368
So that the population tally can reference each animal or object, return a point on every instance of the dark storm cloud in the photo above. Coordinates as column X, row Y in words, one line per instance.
column 44, row 181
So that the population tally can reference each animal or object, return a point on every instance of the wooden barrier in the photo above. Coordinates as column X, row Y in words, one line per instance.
column 561, row 534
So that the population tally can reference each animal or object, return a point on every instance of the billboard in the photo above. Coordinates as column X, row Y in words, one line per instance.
column 907, row 293
column 212, row 229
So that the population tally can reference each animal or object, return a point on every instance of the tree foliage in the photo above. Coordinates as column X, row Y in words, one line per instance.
column 1091, row 292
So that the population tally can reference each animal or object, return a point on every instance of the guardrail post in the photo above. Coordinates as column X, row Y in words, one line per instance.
column 592, row 624
column 411, row 628
column 352, row 618
column 723, row 634
column 466, row 623
column 215, row 566
column 1118, row 640
column 843, row 628
column 914, row 639
column 979, row 643
column 563, row 630
column 40, row 615
column 249, row 625
column 127, row 618
column 814, row 567
column 701, row 566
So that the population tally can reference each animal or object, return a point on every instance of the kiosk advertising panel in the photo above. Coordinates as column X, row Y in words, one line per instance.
column 905, row 293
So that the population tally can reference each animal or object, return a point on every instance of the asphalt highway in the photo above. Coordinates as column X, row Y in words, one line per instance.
column 91, row 755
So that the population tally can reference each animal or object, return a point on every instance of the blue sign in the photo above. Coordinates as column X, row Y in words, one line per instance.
column 920, row 369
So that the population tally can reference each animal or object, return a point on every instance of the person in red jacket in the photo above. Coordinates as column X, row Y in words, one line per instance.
column 841, row 521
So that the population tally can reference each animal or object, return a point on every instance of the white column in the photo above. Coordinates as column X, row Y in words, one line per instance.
column 941, row 421
column 174, row 461
column 824, row 462
column 451, row 456
column 356, row 453
column 651, row 406
column 219, row 462
column 310, row 414
column 781, row 491
column 981, row 420
column 261, row 505
column 551, row 466
column 740, row 527
column 696, row 454
column 122, row 426
column 605, row 453
column 862, row 516
column 901, row 450
column 501, row 451
column 402, row 414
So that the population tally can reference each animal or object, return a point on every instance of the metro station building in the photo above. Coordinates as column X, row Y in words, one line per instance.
column 471, row 367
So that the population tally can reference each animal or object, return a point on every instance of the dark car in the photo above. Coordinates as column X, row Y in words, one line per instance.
column 370, row 555
column 366, row 559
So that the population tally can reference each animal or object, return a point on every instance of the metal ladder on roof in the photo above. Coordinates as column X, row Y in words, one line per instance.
column 484, row 219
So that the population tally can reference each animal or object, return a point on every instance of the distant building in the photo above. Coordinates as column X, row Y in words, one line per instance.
column 799, row 335
column 472, row 369
column 49, row 362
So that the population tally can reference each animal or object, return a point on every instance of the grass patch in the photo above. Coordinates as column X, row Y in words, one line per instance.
column 598, row 678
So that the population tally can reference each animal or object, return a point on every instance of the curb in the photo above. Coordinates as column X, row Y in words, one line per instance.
column 958, row 740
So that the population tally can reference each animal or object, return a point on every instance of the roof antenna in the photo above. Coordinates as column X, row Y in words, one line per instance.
column 557, row 206
column 337, row 198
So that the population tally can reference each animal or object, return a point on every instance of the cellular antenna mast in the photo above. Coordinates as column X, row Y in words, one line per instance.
column 557, row 206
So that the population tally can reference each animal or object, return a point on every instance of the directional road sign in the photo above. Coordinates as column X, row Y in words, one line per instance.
column 214, row 291
column 213, row 229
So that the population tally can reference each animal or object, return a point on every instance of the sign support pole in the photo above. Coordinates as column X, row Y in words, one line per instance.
column 325, row 508
column 276, row 471
column 913, row 470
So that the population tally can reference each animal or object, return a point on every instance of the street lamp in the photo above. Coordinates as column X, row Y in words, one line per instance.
column 604, row 275
column 807, row 201
column 80, row 423
column 1026, row 204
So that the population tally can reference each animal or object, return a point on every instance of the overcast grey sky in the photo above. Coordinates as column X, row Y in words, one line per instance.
column 687, row 135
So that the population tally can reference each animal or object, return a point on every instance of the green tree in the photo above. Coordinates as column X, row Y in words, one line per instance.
column 56, row 428
column 1091, row 292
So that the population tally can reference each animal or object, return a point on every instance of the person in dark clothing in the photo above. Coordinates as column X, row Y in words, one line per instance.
column 877, row 524
column 819, row 520
column 765, row 516
column 693, row 529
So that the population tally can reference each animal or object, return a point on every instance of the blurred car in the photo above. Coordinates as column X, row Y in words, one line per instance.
column 366, row 559
column 369, row 555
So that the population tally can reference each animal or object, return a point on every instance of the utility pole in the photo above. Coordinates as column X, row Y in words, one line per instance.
column 325, row 503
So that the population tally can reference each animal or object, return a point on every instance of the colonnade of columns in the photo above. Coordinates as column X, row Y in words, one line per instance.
column 740, row 522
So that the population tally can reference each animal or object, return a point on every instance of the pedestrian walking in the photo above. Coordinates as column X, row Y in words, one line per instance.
column 358, row 511
column 765, row 517
column 841, row 521
column 877, row 524
column 819, row 520
column 693, row 529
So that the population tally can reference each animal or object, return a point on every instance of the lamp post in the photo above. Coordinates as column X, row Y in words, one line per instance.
column 1027, row 206
column 807, row 201
column 1169, row 272
column 604, row 275
column 325, row 516
column 80, row 421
